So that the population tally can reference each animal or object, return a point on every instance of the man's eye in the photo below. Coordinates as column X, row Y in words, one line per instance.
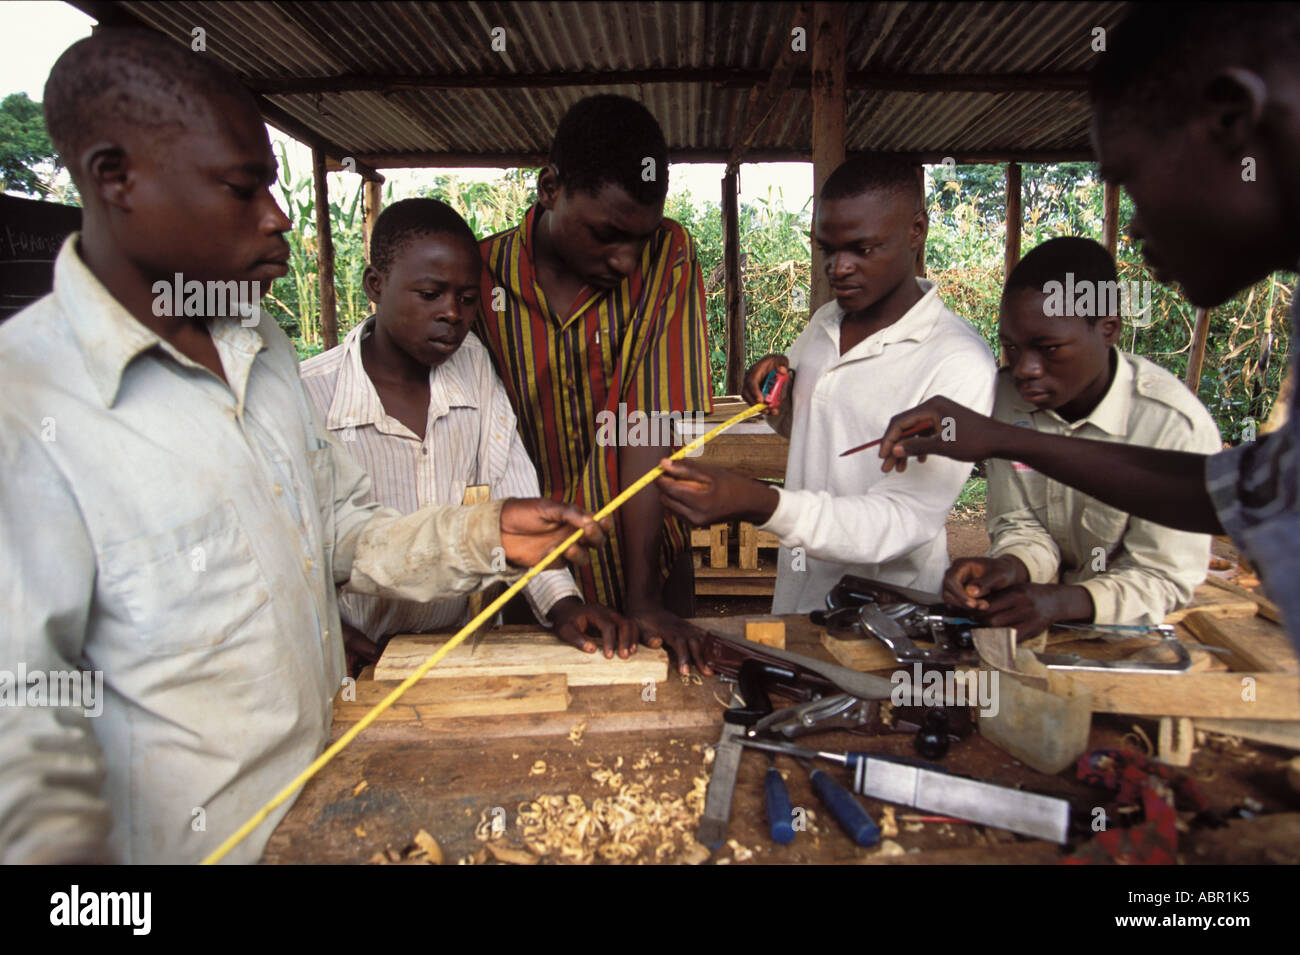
column 242, row 192
column 1050, row 349
column 469, row 299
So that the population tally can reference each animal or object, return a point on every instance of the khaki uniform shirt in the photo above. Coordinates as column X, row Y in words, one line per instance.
column 1135, row 571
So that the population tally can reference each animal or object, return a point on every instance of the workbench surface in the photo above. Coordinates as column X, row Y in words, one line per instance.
column 442, row 775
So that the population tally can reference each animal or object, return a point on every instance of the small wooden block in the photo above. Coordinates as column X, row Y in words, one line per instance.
column 462, row 696
column 748, row 546
column 718, row 545
column 1175, row 740
column 769, row 631
column 860, row 654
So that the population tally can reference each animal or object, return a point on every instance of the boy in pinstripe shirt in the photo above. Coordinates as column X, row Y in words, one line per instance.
column 412, row 395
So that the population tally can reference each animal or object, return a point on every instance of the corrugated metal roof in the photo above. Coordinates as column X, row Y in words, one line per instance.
column 270, row 44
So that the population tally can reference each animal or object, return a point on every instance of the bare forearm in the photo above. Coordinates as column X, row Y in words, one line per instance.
column 642, row 520
column 1167, row 487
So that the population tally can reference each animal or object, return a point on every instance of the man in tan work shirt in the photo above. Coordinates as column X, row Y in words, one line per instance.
column 1057, row 554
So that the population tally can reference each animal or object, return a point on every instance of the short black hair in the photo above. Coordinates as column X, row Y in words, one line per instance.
column 871, row 173
column 1086, row 260
column 607, row 139
column 1162, row 52
column 121, row 79
column 409, row 219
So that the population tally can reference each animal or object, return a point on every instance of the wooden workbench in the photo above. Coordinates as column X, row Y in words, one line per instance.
column 442, row 774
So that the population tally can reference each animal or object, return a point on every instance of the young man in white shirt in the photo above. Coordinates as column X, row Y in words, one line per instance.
column 411, row 394
column 886, row 342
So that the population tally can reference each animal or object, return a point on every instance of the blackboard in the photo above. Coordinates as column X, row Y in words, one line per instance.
column 31, row 233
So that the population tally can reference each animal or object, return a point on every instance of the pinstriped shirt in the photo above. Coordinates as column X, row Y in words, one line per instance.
column 642, row 344
column 471, row 438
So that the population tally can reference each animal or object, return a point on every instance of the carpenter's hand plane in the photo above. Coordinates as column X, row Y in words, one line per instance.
column 857, row 608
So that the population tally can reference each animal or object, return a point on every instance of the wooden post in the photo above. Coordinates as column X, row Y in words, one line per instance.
column 1110, row 218
column 329, row 327
column 920, row 253
column 734, row 281
column 828, row 36
column 371, row 201
column 1014, row 219
column 1196, row 358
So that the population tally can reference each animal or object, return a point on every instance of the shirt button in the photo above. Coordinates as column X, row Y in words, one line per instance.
column 278, row 489
column 424, row 450
column 308, row 564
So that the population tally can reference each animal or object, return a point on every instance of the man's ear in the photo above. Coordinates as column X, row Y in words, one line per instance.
column 548, row 187
column 108, row 170
column 1234, row 100
column 373, row 282
column 1109, row 328
column 920, row 228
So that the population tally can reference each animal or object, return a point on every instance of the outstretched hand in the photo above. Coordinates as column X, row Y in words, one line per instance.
column 532, row 527
column 949, row 429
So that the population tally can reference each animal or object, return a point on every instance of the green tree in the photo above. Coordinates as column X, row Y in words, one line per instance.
column 24, row 145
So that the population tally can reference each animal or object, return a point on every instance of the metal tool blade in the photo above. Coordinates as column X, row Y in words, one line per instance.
column 1043, row 817
column 722, row 786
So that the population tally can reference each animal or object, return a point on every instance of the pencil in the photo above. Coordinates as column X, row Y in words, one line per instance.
column 907, row 433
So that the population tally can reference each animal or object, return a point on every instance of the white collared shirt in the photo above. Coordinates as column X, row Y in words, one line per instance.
column 1135, row 571
column 840, row 516
column 471, row 438
column 183, row 538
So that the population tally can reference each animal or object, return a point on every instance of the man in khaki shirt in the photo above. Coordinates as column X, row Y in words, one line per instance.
column 1057, row 554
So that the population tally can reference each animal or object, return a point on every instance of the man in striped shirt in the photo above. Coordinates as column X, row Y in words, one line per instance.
column 593, row 310
column 411, row 394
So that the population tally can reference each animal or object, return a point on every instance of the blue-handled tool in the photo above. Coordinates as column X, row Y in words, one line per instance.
column 779, row 811
column 848, row 812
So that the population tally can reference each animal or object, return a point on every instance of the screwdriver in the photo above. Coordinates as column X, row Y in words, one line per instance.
column 778, row 805
column 848, row 812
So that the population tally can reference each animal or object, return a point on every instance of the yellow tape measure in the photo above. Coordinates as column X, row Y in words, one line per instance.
column 487, row 613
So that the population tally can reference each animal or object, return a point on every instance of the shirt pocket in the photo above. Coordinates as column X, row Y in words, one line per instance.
column 190, row 588
column 1104, row 524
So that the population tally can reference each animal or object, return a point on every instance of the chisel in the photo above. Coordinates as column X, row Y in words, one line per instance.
column 908, row 782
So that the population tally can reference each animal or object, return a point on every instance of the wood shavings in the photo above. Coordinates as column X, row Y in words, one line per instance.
column 485, row 829
column 359, row 788
column 738, row 852
column 361, row 833
column 696, row 679
column 598, row 761
column 886, row 713
column 1140, row 736
column 888, row 824
column 914, row 826
column 632, row 825
column 538, row 768
column 710, row 753
column 429, row 846
column 378, row 859
column 512, row 856
column 889, row 847
column 575, row 733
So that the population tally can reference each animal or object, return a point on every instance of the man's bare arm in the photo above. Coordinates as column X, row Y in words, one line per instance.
column 1167, row 487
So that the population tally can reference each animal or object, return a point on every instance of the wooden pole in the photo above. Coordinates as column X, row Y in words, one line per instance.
column 920, row 253
column 735, row 291
column 371, row 201
column 1014, row 219
column 329, row 328
column 828, row 39
column 1110, row 218
column 1196, row 359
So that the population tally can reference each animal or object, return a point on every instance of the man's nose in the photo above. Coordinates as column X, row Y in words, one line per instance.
column 839, row 264
column 1027, row 367
column 275, row 218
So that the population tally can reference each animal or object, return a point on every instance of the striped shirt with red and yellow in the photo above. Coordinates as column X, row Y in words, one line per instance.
column 642, row 344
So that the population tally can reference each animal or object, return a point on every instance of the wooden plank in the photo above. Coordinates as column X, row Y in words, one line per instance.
column 768, row 539
column 1282, row 733
column 518, row 651
column 1196, row 359
column 699, row 537
column 1110, row 217
column 748, row 557
column 1217, row 602
column 1276, row 696
column 460, row 696
column 729, row 587
column 718, row 545
column 1266, row 608
column 1254, row 643
column 860, row 654
column 734, row 290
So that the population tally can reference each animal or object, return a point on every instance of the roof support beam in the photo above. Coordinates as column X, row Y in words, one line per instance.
column 764, row 97
column 727, row 78
column 1015, row 220
column 735, row 289
column 828, row 119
